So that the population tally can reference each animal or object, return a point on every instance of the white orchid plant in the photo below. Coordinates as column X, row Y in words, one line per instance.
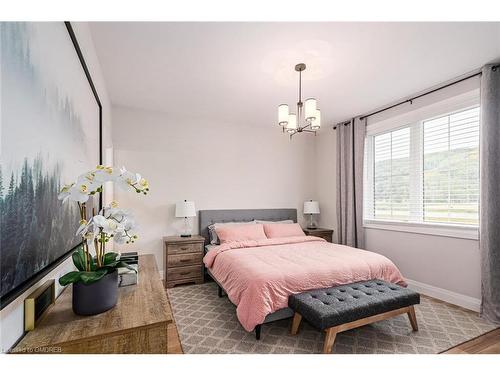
column 111, row 222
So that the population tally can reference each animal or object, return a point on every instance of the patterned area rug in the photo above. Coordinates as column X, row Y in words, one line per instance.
column 208, row 324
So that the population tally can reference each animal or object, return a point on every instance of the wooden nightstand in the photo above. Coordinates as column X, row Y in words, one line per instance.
column 183, row 260
column 327, row 234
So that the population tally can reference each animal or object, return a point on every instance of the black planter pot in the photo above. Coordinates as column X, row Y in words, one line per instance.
column 97, row 297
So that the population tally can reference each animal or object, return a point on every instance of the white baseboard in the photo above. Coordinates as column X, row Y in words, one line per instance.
column 162, row 274
column 458, row 299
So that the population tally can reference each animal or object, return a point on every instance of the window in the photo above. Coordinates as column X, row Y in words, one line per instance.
column 426, row 172
column 392, row 175
column 451, row 168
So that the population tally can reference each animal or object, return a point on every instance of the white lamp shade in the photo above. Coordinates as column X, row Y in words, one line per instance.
column 311, row 207
column 316, row 123
column 185, row 209
column 310, row 109
column 291, row 127
column 283, row 114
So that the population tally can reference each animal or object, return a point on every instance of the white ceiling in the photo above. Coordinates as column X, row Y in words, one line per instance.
column 240, row 72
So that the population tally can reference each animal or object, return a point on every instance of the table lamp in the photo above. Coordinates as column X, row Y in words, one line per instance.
column 311, row 208
column 186, row 210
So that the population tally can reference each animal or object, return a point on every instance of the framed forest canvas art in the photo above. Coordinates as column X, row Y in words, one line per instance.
column 50, row 132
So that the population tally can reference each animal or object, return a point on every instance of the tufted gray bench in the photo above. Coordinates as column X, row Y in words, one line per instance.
column 345, row 307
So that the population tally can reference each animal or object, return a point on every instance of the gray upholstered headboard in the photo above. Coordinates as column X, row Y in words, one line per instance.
column 208, row 217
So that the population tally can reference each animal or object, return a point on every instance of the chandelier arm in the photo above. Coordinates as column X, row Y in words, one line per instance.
column 308, row 125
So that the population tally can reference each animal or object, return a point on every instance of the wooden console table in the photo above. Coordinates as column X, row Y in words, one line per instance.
column 137, row 324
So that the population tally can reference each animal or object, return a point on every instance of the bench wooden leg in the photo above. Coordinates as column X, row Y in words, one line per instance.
column 297, row 318
column 413, row 318
column 331, row 333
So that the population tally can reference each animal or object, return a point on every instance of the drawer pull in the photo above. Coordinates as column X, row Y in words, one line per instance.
column 185, row 260
column 185, row 273
column 184, row 248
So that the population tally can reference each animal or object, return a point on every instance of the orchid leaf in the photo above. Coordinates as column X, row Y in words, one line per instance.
column 110, row 264
column 85, row 277
column 70, row 278
column 79, row 259
column 110, row 258
column 92, row 277
column 93, row 265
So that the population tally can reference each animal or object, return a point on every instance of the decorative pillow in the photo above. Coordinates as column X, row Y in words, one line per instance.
column 276, row 230
column 242, row 232
column 214, row 240
column 270, row 221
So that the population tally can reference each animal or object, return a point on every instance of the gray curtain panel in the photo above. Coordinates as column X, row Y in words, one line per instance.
column 489, row 232
column 350, row 155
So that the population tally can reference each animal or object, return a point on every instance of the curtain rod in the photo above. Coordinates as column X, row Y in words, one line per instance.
column 347, row 122
column 410, row 100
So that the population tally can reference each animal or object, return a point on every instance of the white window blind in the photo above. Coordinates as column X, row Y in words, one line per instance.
column 425, row 172
column 392, row 175
column 451, row 168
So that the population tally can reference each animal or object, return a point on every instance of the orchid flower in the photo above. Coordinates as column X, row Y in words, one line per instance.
column 128, row 180
column 105, row 174
column 64, row 193
column 91, row 182
column 108, row 226
column 77, row 192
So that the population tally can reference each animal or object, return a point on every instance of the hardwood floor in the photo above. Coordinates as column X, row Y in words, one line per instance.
column 173, row 341
column 489, row 343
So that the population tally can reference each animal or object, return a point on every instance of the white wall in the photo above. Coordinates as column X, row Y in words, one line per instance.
column 215, row 164
column 325, row 146
column 449, row 263
column 12, row 316
column 447, row 267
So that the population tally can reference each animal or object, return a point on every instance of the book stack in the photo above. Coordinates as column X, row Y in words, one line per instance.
column 127, row 276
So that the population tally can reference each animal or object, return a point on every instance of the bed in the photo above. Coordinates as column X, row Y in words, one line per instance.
column 258, row 276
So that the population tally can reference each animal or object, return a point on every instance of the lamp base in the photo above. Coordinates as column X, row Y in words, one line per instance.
column 185, row 235
column 312, row 224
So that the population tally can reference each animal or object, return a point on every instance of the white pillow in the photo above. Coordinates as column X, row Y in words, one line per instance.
column 214, row 240
column 273, row 222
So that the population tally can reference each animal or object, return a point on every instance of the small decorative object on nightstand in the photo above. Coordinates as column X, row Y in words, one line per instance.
column 183, row 260
column 327, row 234
column 186, row 210
column 311, row 208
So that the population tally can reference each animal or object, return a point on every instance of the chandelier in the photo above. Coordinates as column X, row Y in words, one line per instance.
column 308, row 116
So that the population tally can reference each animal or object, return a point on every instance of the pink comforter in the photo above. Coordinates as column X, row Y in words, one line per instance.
column 258, row 276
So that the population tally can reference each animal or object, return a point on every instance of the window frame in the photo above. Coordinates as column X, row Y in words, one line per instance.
column 414, row 120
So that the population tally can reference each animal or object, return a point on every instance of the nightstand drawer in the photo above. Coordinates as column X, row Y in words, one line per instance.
column 189, row 272
column 184, row 259
column 183, row 248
